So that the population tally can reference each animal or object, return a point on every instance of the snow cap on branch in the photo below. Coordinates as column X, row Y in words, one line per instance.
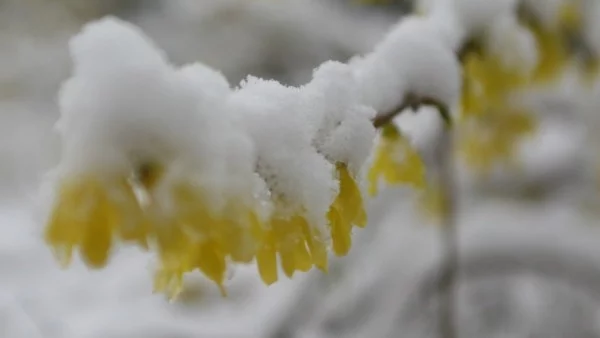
column 299, row 178
column 412, row 59
column 344, row 132
column 125, row 105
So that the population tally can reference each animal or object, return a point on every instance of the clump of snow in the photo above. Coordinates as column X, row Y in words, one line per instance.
column 345, row 133
column 463, row 18
column 513, row 43
column 411, row 59
column 295, row 173
column 125, row 105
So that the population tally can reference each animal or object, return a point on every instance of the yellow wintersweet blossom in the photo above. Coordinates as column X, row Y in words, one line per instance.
column 196, row 237
column 188, row 233
column 395, row 161
column 553, row 43
column 296, row 244
column 346, row 211
column 487, row 81
column 570, row 16
column 90, row 211
column 490, row 125
column 300, row 245
column 553, row 54
column 492, row 138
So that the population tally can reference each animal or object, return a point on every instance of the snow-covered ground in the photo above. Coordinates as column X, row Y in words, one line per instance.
column 366, row 293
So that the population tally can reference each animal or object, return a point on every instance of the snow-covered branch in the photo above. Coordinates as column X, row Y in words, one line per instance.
column 177, row 160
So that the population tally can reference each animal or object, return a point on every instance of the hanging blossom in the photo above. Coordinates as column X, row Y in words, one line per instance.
column 204, row 175
column 492, row 124
column 421, row 51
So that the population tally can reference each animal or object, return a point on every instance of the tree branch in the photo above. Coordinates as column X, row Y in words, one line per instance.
column 413, row 102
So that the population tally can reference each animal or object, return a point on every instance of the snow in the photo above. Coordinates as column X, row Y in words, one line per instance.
column 344, row 131
column 390, row 256
column 513, row 43
column 411, row 59
column 591, row 24
column 295, row 173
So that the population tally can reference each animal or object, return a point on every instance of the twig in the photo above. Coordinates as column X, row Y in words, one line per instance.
column 413, row 102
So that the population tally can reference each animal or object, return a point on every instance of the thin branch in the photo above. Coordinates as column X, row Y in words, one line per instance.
column 413, row 102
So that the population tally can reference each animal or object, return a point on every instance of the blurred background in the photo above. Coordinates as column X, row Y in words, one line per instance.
column 529, row 243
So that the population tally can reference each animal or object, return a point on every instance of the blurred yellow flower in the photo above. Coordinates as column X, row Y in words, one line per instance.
column 395, row 161
column 492, row 138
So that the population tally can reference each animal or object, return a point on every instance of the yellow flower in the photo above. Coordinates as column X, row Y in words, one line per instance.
column 192, row 236
column 490, row 126
column 300, row 245
column 92, row 210
column 188, row 233
column 553, row 54
column 395, row 161
column 487, row 81
column 493, row 138
column 553, row 41
column 570, row 16
column 347, row 210
column 89, row 212
column 291, row 238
